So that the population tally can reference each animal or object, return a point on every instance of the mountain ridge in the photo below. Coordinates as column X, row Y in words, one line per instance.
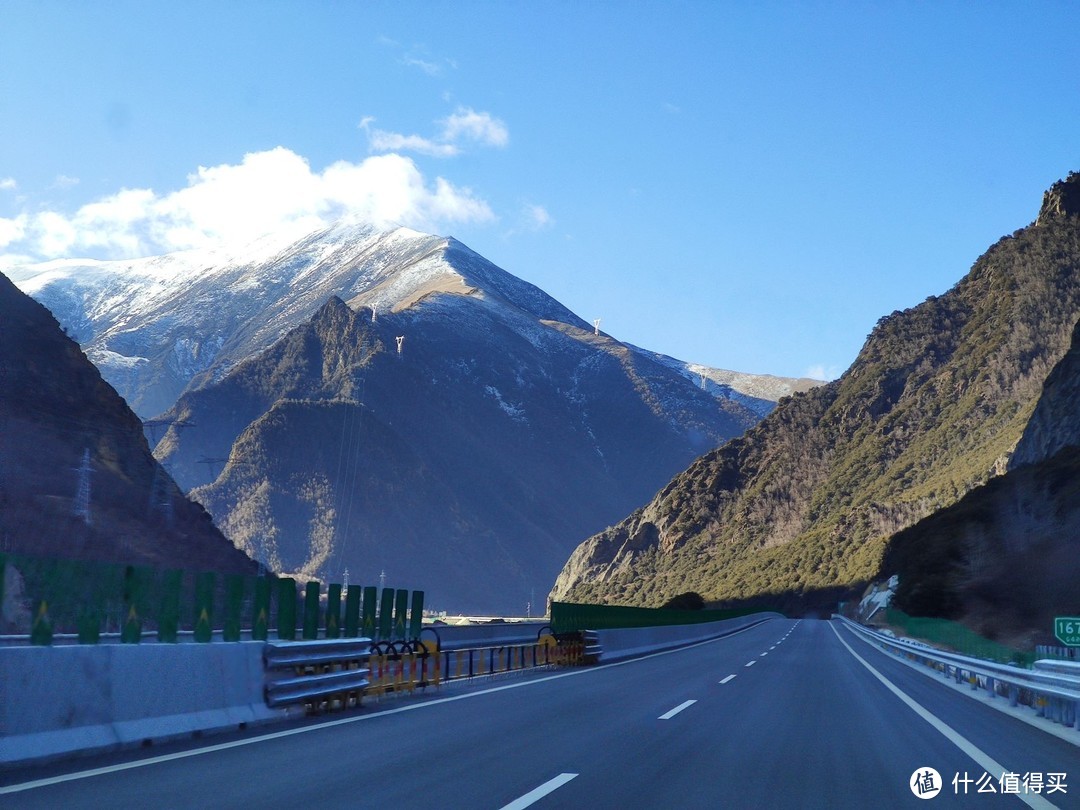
column 932, row 407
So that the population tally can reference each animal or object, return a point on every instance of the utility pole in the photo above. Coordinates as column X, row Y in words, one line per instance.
column 382, row 580
column 374, row 310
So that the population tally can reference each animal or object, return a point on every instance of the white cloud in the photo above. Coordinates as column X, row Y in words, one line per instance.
column 464, row 125
column 12, row 230
column 382, row 141
column 430, row 68
column 234, row 203
column 537, row 217
column 63, row 181
column 821, row 371
column 8, row 184
column 477, row 126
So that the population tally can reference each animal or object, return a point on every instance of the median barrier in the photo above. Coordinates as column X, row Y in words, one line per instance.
column 622, row 643
column 55, row 701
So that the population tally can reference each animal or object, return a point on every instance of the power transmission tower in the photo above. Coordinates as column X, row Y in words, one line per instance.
column 596, row 326
column 154, row 424
column 210, row 463
column 400, row 340
column 82, row 495
column 374, row 310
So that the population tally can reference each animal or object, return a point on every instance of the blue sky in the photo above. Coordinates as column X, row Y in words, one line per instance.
column 746, row 185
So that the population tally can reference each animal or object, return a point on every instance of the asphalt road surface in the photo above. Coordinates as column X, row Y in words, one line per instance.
column 784, row 714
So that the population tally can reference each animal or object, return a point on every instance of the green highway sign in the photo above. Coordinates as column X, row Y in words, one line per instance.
column 1067, row 630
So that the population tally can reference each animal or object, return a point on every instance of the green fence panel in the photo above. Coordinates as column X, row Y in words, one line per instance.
column 416, row 615
column 371, row 598
column 333, row 611
column 43, row 586
column 169, row 614
column 234, row 607
column 260, row 610
column 955, row 636
column 401, row 607
column 204, row 607
column 311, row 610
column 352, row 612
column 90, row 609
column 386, row 615
column 134, row 602
column 286, row 609
column 41, row 632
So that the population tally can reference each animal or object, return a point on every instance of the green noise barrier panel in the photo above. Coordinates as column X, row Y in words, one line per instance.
column 92, row 601
column 311, row 611
column 386, row 615
column 352, row 612
column 333, row 612
column 371, row 598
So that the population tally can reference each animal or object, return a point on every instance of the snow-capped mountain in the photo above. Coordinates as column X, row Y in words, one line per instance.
column 157, row 325
column 364, row 400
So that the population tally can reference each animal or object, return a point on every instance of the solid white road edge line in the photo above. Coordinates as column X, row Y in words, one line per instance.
column 536, row 794
column 982, row 759
column 684, row 705
column 194, row 752
column 1022, row 713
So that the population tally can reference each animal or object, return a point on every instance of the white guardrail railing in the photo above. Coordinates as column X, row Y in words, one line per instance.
column 1052, row 688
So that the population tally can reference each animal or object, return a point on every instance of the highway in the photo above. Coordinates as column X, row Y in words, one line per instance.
column 784, row 714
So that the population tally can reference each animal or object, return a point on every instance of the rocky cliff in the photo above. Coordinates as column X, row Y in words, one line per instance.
column 77, row 478
column 932, row 408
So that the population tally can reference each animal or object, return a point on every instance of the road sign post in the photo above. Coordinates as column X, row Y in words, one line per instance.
column 1067, row 630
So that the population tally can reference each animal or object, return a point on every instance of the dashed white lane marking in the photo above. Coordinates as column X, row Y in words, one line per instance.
column 676, row 710
column 763, row 655
column 728, row 678
column 984, row 760
column 536, row 794
column 751, row 663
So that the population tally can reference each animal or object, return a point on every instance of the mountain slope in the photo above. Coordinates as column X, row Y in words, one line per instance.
column 468, row 465
column 1004, row 559
column 932, row 407
column 54, row 410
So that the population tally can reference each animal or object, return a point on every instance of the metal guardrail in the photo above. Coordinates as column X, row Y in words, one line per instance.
column 593, row 648
column 1053, row 693
column 330, row 673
